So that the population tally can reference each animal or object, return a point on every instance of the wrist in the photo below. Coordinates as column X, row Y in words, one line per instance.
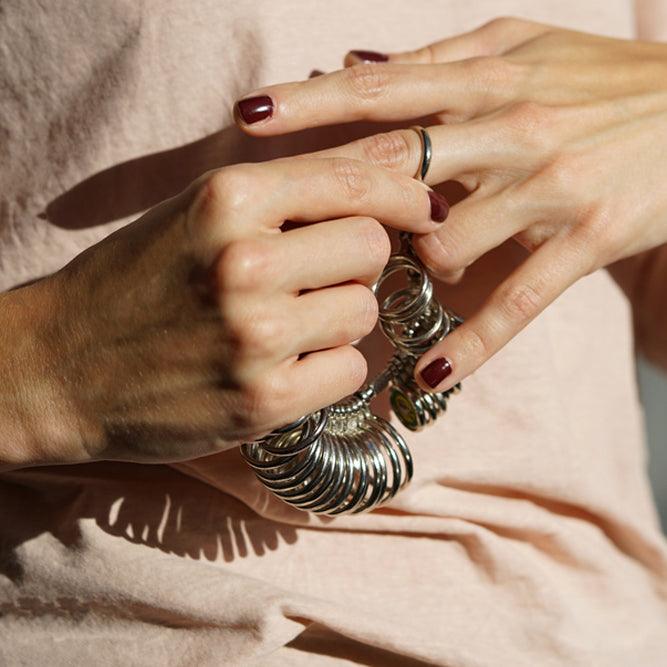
column 37, row 426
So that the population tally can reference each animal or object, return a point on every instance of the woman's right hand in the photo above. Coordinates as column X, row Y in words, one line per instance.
column 203, row 323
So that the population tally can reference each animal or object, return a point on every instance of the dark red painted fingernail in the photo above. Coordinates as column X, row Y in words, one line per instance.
column 436, row 372
column 370, row 56
column 439, row 206
column 255, row 109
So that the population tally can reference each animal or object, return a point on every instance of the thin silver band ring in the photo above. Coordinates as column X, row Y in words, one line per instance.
column 427, row 152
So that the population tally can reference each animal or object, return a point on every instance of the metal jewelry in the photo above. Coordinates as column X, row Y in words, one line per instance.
column 427, row 152
column 343, row 458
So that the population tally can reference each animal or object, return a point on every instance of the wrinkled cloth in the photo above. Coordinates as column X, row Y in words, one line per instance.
column 528, row 535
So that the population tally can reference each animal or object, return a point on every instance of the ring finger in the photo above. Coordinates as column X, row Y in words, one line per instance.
column 465, row 152
column 329, row 253
column 288, row 326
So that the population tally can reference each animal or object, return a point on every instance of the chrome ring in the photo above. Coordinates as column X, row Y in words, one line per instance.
column 343, row 459
column 427, row 152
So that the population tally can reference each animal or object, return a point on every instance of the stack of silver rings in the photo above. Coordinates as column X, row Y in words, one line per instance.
column 343, row 458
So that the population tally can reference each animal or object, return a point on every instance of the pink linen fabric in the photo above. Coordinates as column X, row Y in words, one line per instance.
column 528, row 536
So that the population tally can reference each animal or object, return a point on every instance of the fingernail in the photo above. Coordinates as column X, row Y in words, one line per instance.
column 255, row 109
column 436, row 372
column 370, row 56
column 439, row 206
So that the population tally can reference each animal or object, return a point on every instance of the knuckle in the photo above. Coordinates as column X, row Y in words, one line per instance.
column 224, row 191
column 262, row 401
column 442, row 253
column 554, row 36
column 374, row 237
column 496, row 73
column 366, row 313
column 358, row 371
column 501, row 23
column 530, row 125
column 453, row 278
column 367, row 81
column 205, row 206
column 354, row 370
column 562, row 176
column 519, row 303
column 410, row 196
column 352, row 178
column 243, row 264
column 356, row 318
column 474, row 345
column 252, row 337
column 426, row 54
column 596, row 236
column 263, row 336
column 388, row 149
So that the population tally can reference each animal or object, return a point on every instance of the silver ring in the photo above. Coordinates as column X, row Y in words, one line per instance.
column 427, row 152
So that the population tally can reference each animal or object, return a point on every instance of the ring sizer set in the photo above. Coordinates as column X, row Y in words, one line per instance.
column 343, row 458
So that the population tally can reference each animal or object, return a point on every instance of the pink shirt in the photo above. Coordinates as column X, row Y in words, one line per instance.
column 528, row 536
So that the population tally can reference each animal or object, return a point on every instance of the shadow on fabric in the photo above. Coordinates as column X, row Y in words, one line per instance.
column 131, row 187
column 153, row 505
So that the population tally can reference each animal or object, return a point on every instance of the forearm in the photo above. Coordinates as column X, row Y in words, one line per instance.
column 34, row 426
column 643, row 278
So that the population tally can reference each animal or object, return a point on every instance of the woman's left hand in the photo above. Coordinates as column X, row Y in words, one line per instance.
column 561, row 138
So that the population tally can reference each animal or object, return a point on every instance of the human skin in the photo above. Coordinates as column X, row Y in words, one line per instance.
column 560, row 137
column 186, row 331
column 206, row 321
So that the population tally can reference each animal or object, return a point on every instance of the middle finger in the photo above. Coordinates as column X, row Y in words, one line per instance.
column 459, row 152
column 329, row 253
column 380, row 92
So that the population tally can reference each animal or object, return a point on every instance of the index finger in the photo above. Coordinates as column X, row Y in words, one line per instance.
column 545, row 275
column 264, row 195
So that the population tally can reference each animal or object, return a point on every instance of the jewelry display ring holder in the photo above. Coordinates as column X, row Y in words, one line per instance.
column 344, row 458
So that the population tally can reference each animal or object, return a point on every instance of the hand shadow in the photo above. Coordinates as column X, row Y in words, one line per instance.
column 156, row 505
column 136, row 185
column 153, row 505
